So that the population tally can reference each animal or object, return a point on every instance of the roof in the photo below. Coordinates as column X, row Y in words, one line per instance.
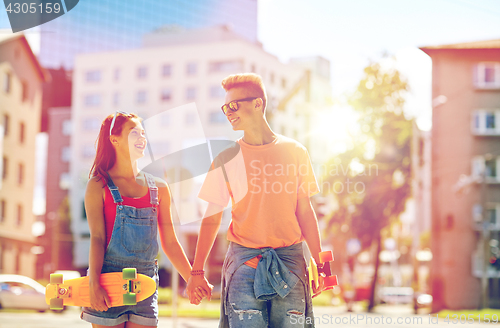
column 488, row 44
column 7, row 37
column 171, row 35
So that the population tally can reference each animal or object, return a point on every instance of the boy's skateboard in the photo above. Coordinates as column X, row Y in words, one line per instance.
column 123, row 288
column 330, row 280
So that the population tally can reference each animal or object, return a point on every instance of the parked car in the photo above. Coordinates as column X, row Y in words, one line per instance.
column 396, row 295
column 20, row 292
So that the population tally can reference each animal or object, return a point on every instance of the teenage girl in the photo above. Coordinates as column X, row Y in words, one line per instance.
column 125, row 211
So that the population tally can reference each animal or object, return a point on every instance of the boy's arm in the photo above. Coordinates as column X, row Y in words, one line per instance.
column 310, row 230
column 309, row 226
column 208, row 232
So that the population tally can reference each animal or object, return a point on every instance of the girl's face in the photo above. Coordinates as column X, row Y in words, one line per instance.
column 132, row 139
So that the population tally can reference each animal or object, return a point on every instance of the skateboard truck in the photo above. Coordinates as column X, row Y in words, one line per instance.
column 330, row 280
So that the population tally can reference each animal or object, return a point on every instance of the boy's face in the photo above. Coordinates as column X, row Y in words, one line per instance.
column 247, row 112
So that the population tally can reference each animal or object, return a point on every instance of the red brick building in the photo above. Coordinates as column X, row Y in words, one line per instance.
column 465, row 145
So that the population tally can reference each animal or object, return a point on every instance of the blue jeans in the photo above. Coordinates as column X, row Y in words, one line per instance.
column 248, row 312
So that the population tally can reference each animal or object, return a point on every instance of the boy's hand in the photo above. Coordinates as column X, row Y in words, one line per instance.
column 321, row 286
column 198, row 288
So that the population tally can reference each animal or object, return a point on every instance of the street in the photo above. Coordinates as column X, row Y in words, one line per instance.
column 325, row 317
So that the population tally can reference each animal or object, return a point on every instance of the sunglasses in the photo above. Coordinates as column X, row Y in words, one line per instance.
column 114, row 119
column 233, row 106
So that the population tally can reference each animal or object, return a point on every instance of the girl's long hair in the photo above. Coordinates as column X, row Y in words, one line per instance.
column 105, row 156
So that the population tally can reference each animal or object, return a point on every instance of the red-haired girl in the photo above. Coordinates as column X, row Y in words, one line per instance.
column 125, row 211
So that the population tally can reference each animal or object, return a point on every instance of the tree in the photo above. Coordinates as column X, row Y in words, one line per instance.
column 373, row 183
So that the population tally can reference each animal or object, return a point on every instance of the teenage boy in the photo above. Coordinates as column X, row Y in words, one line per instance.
column 269, row 179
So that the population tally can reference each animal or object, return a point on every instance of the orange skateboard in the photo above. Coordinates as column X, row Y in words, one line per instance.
column 123, row 288
column 314, row 272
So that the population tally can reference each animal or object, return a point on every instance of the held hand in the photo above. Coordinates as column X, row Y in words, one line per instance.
column 321, row 286
column 198, row 288
column 99, row 299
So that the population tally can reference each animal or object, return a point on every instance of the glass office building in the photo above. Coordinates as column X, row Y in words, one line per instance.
column 106, row 25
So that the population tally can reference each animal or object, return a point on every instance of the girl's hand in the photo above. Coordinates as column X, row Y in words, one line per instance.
column 198, row 288
column 99, row 299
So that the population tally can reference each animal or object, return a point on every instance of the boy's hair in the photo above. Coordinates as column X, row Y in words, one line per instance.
column 251, row 82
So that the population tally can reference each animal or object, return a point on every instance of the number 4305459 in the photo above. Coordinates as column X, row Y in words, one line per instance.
column 33, row 8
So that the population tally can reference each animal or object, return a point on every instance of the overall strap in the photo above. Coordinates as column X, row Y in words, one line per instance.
column 153, row 189
column 117, row 198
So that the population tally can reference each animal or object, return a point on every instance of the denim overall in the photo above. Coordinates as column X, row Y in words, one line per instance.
column 133, row 244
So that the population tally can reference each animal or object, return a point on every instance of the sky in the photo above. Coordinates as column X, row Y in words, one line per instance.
column 351, row 33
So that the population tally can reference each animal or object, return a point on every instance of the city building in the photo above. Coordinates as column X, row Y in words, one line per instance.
column 465, row 174
column 109, row 25
column 58, row 238
column 20, row 106
column 173, row 82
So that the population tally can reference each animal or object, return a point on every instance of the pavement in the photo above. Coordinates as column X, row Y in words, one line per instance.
column 328, row 316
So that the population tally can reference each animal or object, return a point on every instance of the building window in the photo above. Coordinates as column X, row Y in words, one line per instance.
column 66, row 127
column 25, row 94
column 116, row 99
column 216, row 91
column 19, row 218
column 217, row 117
column 7, row 82
column 489, row 166
column 92, row 100
column 141, row 97
column 486, row 122
column 91, row 124
column 487, row 75
column 283, row 83
column 166, row 94
column 271, row 77
column 225, row 66
column 2, row 210
column 65, row 181
column 191, row 68
column 6, row 121
column 21, row 133
column 191, row 93
column 166, row 70
column 492, row 216
column 116, row 74
column 88, row 151
column 5, row 163
column 142, row 72
column 20, row 177
column 93, row 76
column 66, row 154
column 253, row 69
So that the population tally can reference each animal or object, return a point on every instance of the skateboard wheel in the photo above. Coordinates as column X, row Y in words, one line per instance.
column 331, row 281
column 129, row 299
column 326, row 256
column 56, row 278
column 129, row 273
column 56, row 304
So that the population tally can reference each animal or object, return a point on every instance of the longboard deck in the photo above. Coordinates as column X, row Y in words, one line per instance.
column 121, row 291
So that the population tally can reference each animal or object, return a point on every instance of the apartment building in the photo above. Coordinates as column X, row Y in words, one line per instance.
column 465, row 174
column 20, row 106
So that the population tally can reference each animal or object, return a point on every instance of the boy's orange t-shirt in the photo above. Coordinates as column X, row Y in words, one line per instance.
column 264, row 184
